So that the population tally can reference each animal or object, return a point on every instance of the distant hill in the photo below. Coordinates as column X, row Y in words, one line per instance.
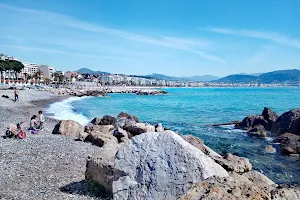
column 281, row 76
column 164, row 77
column 203, row 78
column 237, row 79
column 192, row 78
column 291, row 76
column 89, row 71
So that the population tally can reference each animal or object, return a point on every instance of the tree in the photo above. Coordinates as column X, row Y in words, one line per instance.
column 12, row 65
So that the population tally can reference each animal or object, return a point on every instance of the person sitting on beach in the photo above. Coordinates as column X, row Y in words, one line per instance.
column 34, row 124
column 41, row 119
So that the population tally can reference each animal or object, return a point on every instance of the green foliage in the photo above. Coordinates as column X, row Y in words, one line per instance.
column 13, row 65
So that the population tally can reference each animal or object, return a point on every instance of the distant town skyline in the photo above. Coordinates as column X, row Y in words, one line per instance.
column 175, row 38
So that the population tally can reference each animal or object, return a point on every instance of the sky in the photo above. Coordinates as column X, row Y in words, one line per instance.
column 171, row 37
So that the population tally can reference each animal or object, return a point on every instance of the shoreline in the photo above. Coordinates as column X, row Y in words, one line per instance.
column 28, row 159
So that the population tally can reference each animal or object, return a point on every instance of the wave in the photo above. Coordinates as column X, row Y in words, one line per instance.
column 63, row 110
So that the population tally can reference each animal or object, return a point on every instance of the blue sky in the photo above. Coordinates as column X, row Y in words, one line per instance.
column 179, row 38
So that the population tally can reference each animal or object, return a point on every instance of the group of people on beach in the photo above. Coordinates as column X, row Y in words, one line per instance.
column 37, row 122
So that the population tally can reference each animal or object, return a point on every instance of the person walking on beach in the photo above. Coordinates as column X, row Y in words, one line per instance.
column 41, row 119
column 16, row 95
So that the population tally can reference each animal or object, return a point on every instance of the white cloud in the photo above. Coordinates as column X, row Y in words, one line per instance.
column 192, row 45
column 55, row 51
column 274, row 37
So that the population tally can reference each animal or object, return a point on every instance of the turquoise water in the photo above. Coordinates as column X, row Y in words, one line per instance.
column 186, row 110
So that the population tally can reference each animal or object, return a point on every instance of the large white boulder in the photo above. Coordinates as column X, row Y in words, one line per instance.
column 160, row 166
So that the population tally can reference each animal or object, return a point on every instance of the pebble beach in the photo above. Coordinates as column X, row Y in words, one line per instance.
column 42, row 166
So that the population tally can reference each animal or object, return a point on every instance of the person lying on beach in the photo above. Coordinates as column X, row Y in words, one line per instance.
column 34, row 124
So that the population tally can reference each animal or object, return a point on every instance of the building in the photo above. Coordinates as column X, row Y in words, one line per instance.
column 47, row 71
column 29, row 69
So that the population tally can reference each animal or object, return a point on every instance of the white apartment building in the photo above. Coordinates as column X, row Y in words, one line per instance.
column 29, row 69
column 47, row 71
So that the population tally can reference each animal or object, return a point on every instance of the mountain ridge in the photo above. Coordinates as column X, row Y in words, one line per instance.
column 289, row 76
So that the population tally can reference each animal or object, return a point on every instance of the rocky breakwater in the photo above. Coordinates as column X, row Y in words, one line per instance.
column 284, row 128
column 138, row 91
column 77, row 92
column 136, row 160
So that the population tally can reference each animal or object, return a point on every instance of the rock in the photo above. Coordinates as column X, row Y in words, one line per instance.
column 159, row 127
column 290, row 143
column 96, row 121
column 107, row 120
column 160, row 166
column 100, row 139
column 258, row 178
column 288, row 122
column 195, row 141
column 121, row 135
column 128, row 116
column 217, row 188
column 234, row 163
column 199, row 143
column 250, row 185
column 100, row 135
column 139, row 128
column 286, row 194
column 258, row 131
column 100, row 167
column 69, row 128
column 82, row 136
column 270, row 149
column 251, row 121
column 270, row 116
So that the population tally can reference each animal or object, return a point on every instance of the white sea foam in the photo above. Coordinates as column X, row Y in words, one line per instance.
column 65, row 111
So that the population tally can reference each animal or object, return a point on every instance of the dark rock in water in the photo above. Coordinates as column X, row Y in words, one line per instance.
column 258, row 131
column 125, row 120
column 128, row 116
column 270, row 116
column 251, row 121
column 288, row 122
column 107, row 120
column 290, row 143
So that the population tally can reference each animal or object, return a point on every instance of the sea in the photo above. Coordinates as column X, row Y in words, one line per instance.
column 189, row 110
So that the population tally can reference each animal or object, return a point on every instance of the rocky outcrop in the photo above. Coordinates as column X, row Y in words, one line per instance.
column 125, row 120
column 251, row 121
column 234, row 163
column 151, row 92
column 289, row 143
column 270, row 116
column 258, row 131
column 105, row 120
column 69, row 128
column 128, row 116
column 288, row 122
column 160, row 166
column 251, row 185
column 139, row 128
